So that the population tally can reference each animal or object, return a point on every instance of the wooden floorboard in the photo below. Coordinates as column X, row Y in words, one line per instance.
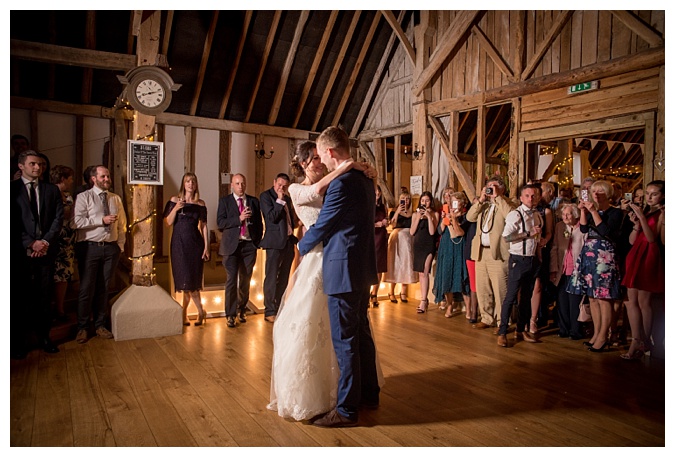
column 446, row 384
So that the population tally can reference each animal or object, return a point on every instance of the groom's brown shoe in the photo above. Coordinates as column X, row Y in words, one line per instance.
column 334, row 419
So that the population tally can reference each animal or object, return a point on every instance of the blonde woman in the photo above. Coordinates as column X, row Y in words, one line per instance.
column 186, row 212
column 400, row 250
column 596, row 272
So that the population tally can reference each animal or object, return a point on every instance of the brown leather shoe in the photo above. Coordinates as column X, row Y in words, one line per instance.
column 103, row 332
column 501, row 341
column 527, row 337
column 334, row 419
column 270, row 319
column 495, row 331
column 81, row 337
column 481, row 326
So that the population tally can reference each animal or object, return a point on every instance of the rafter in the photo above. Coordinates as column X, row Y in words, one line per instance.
column 235, row 65
column 336, row 68
column 265, row 56
column 206, row 52
column 90, row 43
column 299, row 28
column 315, row 66
column 65, row 55
column 640, row 28
column 551, row 35
column 166, row 38
column 492, row 52
column 357, row 68
column 447, row 43
column 375, row 82
column 396, row 25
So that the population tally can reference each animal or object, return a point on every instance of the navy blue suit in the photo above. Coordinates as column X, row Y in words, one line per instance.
column 239, row 255
column 345, row 227
column 32, row 277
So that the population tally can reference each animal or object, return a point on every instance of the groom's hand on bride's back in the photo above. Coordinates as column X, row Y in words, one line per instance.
column 366, row 168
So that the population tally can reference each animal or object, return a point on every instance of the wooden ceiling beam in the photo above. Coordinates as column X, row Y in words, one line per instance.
column 492, row 52
column 315, row 65
column 336, row 68
column 265, row 57
column 89, row 43
column 235, row 66
column 206, row 52
column 290, row 58
column 357, row 68
column 396, row 26
column 375, row 82
column 641, row 29
column 168, row 28
column 446, row 45
column 551, row 35
column 65, row 55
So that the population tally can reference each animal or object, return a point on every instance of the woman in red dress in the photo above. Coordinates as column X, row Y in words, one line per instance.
column 645, row 267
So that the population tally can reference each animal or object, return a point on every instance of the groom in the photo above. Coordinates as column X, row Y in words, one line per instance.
column 345, row 227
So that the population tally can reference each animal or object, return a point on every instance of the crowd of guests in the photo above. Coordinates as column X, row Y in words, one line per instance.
column 50, row 227
column 506, row 261
column 497, row 260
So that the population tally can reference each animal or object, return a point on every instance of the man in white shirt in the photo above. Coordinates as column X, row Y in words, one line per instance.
column 522, row 230
column 101, row 233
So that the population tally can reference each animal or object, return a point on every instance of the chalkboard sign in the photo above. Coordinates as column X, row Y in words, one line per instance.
column 145, row 162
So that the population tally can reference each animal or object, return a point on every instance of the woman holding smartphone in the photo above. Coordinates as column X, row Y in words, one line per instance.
column 423, row 230
column 451, row 271
column 400, row 250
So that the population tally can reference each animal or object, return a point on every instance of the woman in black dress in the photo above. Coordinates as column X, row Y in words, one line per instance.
column 189, row 243
column 423, row 230
column 381, row 236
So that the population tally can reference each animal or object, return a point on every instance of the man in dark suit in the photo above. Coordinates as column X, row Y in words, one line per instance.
column 345, row 227
column 240, row 221
column 278, row 242
column 36, row 216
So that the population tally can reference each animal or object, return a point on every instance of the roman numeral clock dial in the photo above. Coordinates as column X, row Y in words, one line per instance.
column 148, row 89
column 150, row 93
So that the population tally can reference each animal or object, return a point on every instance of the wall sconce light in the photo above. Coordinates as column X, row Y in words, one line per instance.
column 261, row 154
column 416, row 154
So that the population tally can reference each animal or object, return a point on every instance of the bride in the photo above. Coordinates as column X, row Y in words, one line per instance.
column 304, row 367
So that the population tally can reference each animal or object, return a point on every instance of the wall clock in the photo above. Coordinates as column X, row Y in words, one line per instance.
column 148, row 89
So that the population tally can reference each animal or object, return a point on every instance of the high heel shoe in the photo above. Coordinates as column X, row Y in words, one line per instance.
column 442, row 305
column 604, row 347
column 637, row 355
column 404, row 298
column 373, row 301
column 392, row 298
column 533, row 326
column 588, row 344
column 201, row 319
column 422, row 308
column 448, row 312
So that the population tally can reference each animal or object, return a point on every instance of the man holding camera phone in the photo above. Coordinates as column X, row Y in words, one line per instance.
column 490, row 251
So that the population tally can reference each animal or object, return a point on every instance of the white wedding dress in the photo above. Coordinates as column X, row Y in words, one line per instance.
column 304, row 367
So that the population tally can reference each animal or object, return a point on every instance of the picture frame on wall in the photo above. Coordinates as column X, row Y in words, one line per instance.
column 145, row 162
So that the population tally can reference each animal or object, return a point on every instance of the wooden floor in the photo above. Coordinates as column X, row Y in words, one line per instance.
column 446, row 385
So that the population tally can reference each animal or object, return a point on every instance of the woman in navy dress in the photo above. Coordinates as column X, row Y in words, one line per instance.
column 381, row 236
column 186, row 212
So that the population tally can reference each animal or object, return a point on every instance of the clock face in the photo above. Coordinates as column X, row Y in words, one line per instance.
column 150, row 93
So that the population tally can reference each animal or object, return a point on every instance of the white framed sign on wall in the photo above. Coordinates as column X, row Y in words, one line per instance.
column 145, row 162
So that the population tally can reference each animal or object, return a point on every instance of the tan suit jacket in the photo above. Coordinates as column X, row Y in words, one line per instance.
column 559, row 248
column 498, row 246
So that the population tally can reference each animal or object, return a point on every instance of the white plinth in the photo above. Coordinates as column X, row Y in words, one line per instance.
column 145, row 312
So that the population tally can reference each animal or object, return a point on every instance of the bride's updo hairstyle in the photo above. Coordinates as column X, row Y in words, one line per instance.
column 304, row 153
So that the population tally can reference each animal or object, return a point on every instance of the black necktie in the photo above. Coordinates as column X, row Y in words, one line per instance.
column 34, row 203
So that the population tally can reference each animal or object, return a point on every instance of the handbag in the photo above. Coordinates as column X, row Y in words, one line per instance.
column 584, row 312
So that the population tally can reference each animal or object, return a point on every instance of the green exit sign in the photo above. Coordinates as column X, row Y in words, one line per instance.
column 582, row 87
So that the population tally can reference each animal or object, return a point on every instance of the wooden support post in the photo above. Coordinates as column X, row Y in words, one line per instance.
column 481, row 149
column 396, row 187
column 420, row 135
column 516, row 171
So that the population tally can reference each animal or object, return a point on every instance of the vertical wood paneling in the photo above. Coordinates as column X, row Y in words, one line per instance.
column 460, row 68
column 539, row 33
column 513, row 43
column 505, row 42
column 489, row 65
column 576, row 42
column 530, row 36
column 499, row 34
column 555, row 55
column 658, row 20
column 620, row 39
column 471, row 65
column 565, row 46
column 589, row 43
column 604, row 36
column 546, row 60
column 646, row 17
